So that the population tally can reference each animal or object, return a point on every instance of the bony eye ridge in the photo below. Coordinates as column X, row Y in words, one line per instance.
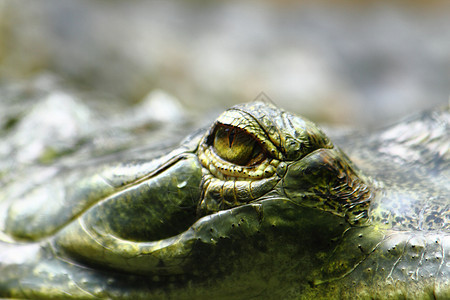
column 237, row 146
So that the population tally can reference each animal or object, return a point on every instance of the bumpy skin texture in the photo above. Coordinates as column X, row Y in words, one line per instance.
column 261, row 205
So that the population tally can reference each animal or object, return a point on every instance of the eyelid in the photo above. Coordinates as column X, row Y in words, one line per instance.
column 263, row 161
column 222, row 169
column 266, row 135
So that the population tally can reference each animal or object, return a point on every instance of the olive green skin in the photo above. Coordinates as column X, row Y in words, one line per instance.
column 371, row 224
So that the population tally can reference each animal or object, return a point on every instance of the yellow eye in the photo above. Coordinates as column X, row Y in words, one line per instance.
column 237, row 146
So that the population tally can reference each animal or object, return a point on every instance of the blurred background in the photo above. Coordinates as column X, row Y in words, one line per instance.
column 355, row 63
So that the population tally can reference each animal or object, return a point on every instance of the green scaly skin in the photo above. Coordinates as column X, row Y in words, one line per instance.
column 302, row 221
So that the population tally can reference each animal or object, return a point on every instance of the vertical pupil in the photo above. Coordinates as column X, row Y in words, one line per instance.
column 231, row 135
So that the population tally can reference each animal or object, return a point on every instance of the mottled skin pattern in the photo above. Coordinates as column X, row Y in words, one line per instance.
column 261, row 205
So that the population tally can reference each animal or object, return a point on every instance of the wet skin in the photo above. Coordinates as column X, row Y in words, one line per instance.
column 262, row 204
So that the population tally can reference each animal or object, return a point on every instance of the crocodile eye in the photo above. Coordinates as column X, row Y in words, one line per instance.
column 237, row 146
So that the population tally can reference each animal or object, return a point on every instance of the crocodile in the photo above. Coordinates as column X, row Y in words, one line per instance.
column 262, row 204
